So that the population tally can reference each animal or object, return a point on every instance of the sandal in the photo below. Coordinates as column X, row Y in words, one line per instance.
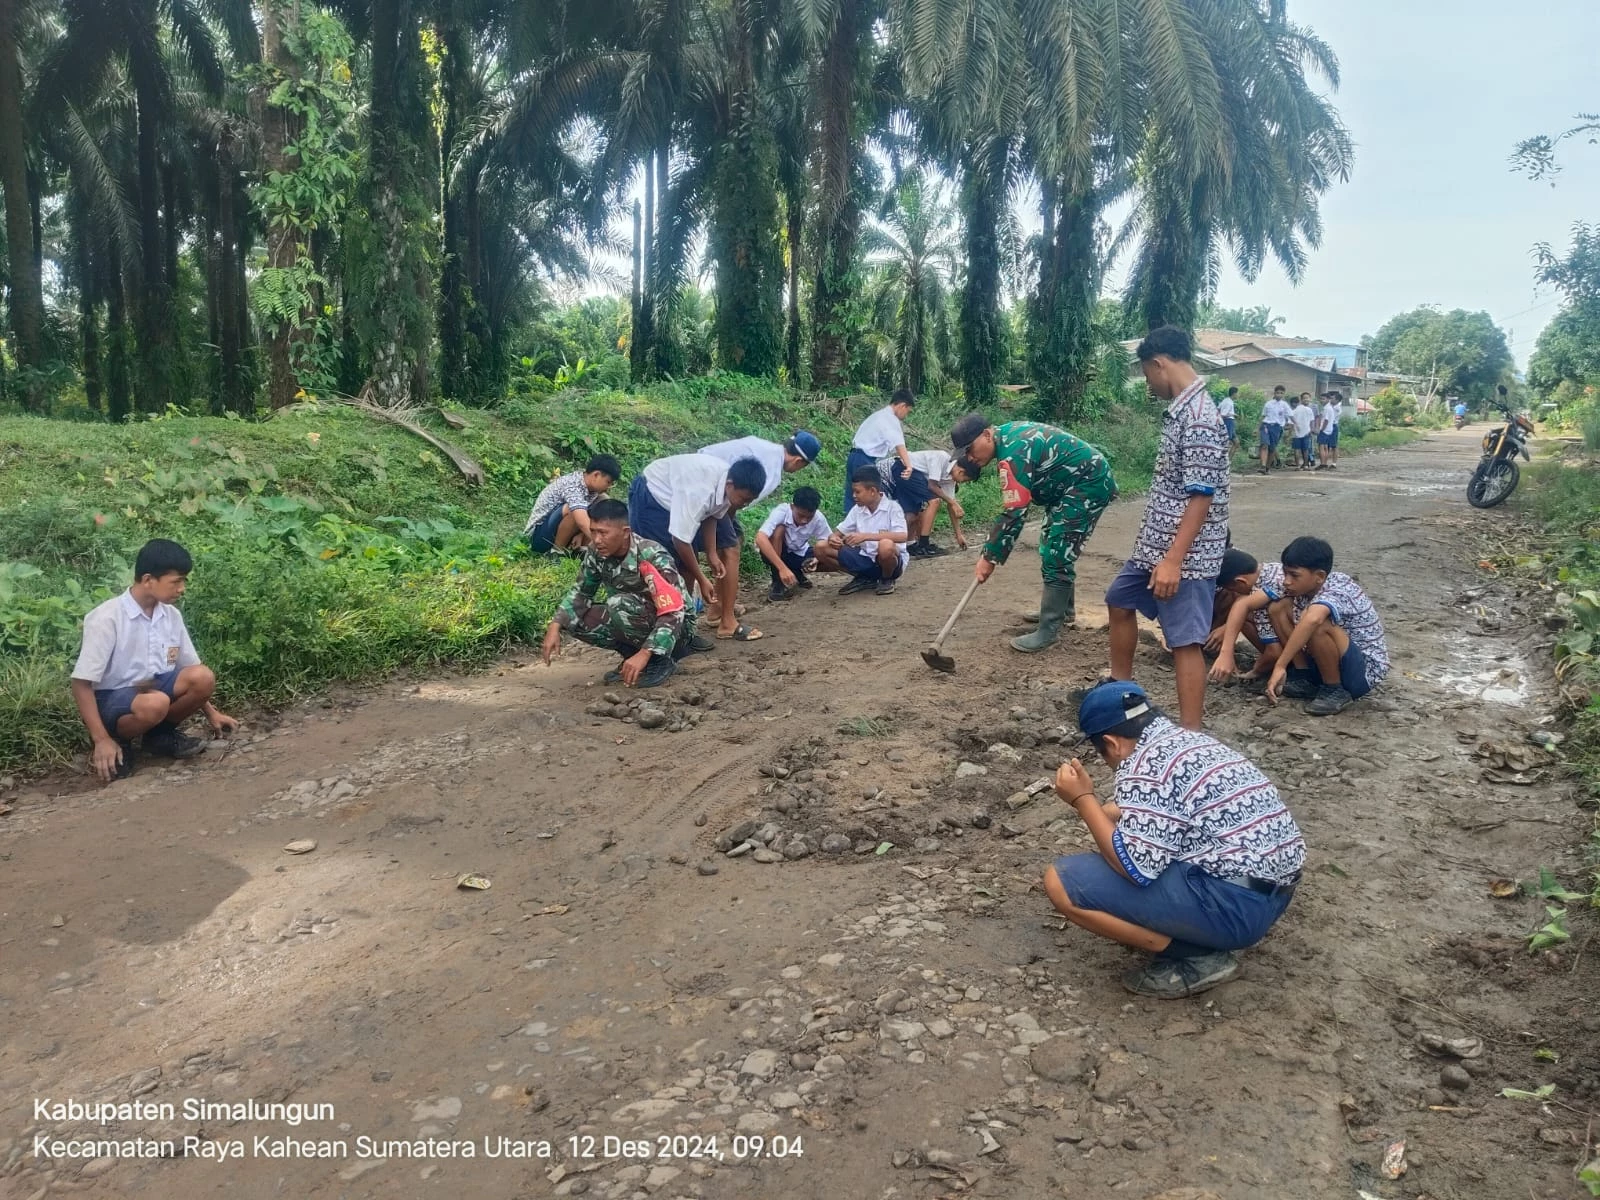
column 743, row 633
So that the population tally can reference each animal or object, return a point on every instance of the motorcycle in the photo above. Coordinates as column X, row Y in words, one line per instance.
column 1498, row 473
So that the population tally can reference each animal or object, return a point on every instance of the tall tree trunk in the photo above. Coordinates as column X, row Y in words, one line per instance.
column 235, row 391
column 458, row 376
column 393, row 288
column 662, row 355
column 214, row 252
column 983, row 195
column 795, row 213
column 838, row 214
column 1061, row 339
column 87, row 270
column 1173, row 275
column 635, row 344
column 279, row 128
column 26, row 289
column 155, row 313
column 119, row 400
column 744, row 219
column 644, row 329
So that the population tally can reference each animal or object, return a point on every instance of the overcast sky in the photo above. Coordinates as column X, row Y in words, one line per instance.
column 1436, row 93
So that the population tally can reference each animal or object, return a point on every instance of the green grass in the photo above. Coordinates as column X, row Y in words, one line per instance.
column 332, row 546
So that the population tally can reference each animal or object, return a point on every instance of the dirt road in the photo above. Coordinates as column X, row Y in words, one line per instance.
column 838, row 1024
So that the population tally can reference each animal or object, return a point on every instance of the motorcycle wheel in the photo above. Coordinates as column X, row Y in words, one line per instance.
column 1492, row 482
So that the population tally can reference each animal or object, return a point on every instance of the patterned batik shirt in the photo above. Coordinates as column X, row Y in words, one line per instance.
column 1187, row 798
column 1191, row 461
column 1350, row 607
column 1040, row 464
column 648, row 570
column 1268, row 580
column 565, row 489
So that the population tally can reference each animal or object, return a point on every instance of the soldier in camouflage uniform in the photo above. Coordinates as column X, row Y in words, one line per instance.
column 646, row 615
column 1038, row 464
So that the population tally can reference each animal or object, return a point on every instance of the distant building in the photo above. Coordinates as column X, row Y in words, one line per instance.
column 1264, row 361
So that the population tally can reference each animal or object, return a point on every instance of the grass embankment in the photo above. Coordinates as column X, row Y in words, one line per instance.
column 331, row 546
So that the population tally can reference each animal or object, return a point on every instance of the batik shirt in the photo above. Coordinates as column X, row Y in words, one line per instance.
column 648, row 570
column 1191, row 461
column 564, row 490
column 1270, row 581
column 1350, row 607
column 1040, row 464
column 1187, row 798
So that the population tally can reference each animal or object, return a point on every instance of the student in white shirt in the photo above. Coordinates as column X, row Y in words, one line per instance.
column 1328, row 430
column 1274, row 414
column 880, row 436
column 936, row 466
column 870, row 543
column 785, row 541
column 1226, row 410
column 778, row 459
column 137, row 674
column 1301, row 417
column 678, row 501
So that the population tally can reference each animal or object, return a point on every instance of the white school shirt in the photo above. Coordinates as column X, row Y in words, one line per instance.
column 880, row 433
column 935, row 464
column 1225, row 407
column 692, row 488
column 1330, row 415
column 797, row 539
column 768, row 454
column 122, row 646
column 888, row 517
column 1302, row 415
column 1275, row 412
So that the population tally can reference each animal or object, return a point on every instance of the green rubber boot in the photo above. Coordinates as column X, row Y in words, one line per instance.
column 1055, row 608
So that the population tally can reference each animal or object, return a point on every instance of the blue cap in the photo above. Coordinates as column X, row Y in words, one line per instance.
column 807, row 444
column 1107, row 705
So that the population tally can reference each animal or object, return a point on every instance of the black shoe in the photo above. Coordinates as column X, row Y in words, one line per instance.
column 804, row 584
column 1328, row 701
column 855, row 585
column 658, row 672
column 885, row 587
column 918, row 550
column 934, row 550
column 779, row 592
column 1300, row 686
column 129, row 760
column 172, row 742
column 612, row 676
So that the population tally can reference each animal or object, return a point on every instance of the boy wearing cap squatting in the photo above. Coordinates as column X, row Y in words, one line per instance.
column 1197, row 855
column 1039, row 464
column 1172, row 573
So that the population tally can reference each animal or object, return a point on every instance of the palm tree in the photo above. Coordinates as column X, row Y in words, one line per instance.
column 24, row 277
column 1282, row 146
column 911, row 250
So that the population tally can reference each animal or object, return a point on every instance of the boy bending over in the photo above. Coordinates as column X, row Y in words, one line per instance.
column 1198, row 857
column 1244, row 589
column 1333, row 645
column 138, row 675
column 786, row 538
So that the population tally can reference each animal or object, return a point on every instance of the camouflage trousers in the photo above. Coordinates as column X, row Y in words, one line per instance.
column 623, row 622
column 1068, row 524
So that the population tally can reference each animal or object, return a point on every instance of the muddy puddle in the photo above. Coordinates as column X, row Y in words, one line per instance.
column 1500, row 677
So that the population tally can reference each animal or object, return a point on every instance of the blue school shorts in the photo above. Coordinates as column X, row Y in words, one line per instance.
column 1271, row 435
column 1185, row 619
column 116, row 703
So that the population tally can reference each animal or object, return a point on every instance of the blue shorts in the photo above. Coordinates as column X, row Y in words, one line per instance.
column 1185, row 619
column 1303, row 444
column 116, row 703
column 911, row 494
column 1328, row 437
column 650, row 519
column 858, row 458
column 853, row 560
column 1185, row 903
column 542, row 537
column 1271, row 435
column 1229, row 423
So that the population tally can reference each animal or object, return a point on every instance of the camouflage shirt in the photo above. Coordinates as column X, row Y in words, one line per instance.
column 1040, row 464
column 647, row 570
